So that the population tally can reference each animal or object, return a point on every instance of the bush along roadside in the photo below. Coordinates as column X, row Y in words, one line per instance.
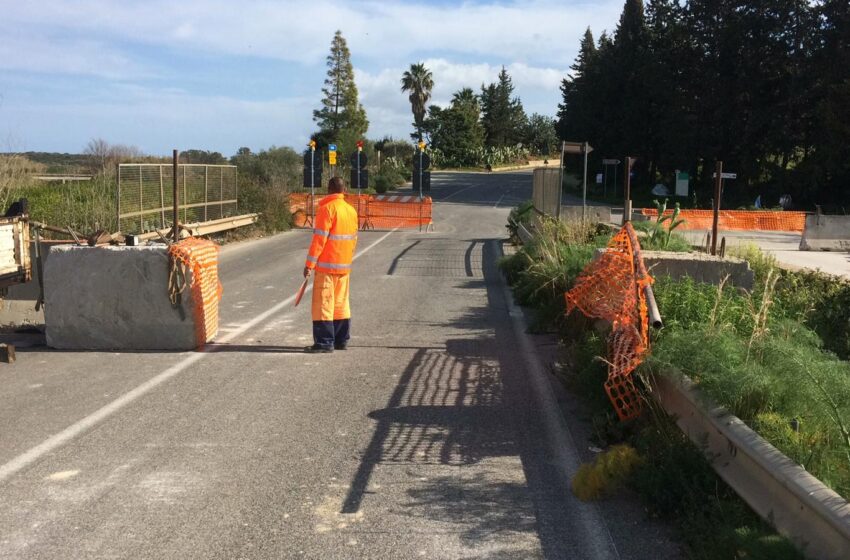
column 664, row 468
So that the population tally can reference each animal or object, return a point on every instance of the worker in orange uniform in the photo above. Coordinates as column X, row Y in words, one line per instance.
column 330, row 255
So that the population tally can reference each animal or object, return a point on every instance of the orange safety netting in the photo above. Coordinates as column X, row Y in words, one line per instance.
column 201, row 257
column 374, row 212
column 613, row 288
column 768, row 220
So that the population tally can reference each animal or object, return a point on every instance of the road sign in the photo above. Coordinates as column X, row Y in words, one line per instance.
column 331, row 147
column 312, row 157
column 363, row 159
column 725, row 176
column 610, row 162
column 312, row 169
column 332, row 158
column 422, row 159
column 576, row 148
column 359, row 180
column 426, row 182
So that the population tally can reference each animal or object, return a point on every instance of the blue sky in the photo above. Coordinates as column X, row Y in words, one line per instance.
column 221, row 74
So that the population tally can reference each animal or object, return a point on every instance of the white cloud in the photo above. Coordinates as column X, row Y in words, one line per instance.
column 134, row 43
column 68, row 56
column 525, row 31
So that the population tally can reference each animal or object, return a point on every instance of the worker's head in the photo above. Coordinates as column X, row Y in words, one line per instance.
column 335, row 185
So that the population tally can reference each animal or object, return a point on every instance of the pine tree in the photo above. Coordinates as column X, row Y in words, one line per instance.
column 342, row 118
column 503, row 117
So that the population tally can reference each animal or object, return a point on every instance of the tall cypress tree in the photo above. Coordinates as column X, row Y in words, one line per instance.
column 502, row 115
column 342, row 117
column 576, row 112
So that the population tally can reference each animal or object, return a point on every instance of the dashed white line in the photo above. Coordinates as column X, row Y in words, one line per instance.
column 57, row 440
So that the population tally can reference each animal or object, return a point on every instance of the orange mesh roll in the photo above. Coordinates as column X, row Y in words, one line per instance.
column 612, row 288
column 768, row 220
column 201, row 257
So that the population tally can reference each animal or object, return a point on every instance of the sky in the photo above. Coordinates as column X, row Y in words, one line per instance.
column 221, row 74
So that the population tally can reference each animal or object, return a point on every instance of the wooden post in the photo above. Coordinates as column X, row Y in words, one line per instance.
column 206, row 190
column 584, row 184
column 175, row 199
column 718, row 186
column 161, row 200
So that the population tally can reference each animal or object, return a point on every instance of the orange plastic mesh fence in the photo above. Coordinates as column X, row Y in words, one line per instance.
column 201, row 257
column 612, row 288
column 768, row 220
column 375, row 212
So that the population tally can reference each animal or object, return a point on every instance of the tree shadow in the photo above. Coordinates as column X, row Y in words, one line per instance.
column 460, row 406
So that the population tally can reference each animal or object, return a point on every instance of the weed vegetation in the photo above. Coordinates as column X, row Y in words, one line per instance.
column 751, row 352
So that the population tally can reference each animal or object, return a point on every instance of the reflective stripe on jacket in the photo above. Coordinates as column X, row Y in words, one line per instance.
column 334, row 236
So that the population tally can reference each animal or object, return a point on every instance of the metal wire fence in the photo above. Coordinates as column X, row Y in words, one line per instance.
column 145, row 197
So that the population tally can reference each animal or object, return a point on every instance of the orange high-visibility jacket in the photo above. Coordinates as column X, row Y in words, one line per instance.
column 334, row 236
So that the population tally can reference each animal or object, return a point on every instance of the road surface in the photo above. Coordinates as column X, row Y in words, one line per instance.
column 422, row 440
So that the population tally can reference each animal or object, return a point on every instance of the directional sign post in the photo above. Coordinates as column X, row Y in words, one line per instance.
column 719, row 176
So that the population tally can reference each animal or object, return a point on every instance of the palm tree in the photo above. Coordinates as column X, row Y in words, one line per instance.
column 419, row 82
column 464, row 98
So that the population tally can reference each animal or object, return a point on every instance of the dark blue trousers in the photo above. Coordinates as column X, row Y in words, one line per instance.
column 328, row 334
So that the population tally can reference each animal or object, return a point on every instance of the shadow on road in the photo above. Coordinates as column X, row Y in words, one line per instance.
column 464, row 405
column 259, row 348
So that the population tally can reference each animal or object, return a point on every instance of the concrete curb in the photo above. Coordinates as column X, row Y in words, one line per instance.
column 599, row 545
column 782, row 492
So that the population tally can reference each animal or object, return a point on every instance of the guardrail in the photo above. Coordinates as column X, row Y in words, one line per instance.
column 798, row 505
column 782, row 492
column 206, row 228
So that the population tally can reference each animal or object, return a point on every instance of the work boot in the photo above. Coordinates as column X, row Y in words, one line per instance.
column 316, row 349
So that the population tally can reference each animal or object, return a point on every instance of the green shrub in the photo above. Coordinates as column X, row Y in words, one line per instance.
column 272, row 203
column 382, row 184
column 84, row 206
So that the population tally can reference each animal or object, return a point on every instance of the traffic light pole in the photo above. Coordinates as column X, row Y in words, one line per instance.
column 312, row 185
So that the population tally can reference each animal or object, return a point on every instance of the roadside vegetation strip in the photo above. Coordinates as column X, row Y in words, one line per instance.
column 674, row 477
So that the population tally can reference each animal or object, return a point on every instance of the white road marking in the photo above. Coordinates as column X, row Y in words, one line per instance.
column 55, row 441
column 498, row 201
column 63, row 475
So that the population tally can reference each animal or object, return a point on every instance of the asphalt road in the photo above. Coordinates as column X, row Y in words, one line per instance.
column 422, row 440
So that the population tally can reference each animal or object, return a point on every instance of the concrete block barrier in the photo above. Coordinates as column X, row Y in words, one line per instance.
column 114, row 298
column 701, row 267
column 826, row 233
column 601, row 214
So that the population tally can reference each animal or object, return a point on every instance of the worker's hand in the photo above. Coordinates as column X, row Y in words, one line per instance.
column 306, row 271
